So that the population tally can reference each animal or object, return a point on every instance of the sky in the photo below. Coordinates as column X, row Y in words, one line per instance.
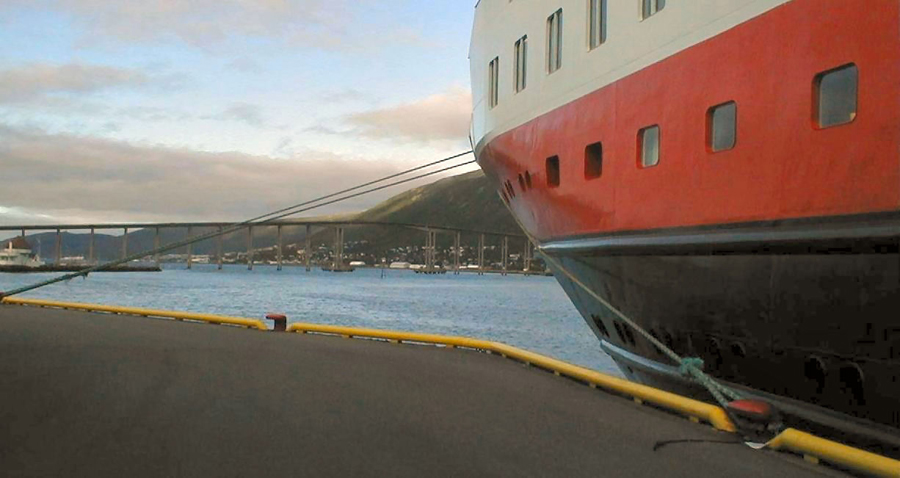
column 212, row 110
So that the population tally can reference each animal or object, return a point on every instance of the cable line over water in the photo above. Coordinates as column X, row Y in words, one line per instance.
column 268, row 218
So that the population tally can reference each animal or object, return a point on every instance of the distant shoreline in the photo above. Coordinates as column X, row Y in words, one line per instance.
column 54, row 268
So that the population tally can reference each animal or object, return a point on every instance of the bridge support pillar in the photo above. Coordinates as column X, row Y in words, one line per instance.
column 125, row 244
column 219, row 250
column 456, row 254
column 280, row 250
column 308, row 250
column 338, row 248
column 505, row 252
column 58, row 247
column 91, row 248
column 156, row 246
column 481, row 255
column 250, row 248
column 526, row 258
column 190, row 249
column 429, row 250
column 433, row 248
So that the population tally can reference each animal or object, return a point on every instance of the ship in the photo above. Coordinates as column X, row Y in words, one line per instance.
column 724, row 173
column 17, row 254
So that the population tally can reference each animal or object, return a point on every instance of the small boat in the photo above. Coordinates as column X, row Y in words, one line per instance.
column 18, row 253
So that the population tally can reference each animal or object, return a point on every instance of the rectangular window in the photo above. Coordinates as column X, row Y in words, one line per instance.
column 836, row 96
column 494, row 82
column 521, row 63
column 593, row 160
column 554, row 41
column 648, row 146
column 722, row 126
column 651, row 7
column 553, row 171
column 597, row 19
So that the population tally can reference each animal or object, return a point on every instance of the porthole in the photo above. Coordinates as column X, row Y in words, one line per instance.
column 619, row 331
column 667, row 339
column 721, row 127
column 626, row 333
column 852, row 383
column 836, row 96
column 648, row 146
column 600, row 325
column 553, row 171
column 630, row 334
column 593, row 160
column 815, row 372
column 528, row 179
column 714, row 352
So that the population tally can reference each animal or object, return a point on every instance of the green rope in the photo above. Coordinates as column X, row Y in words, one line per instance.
column 691, row 367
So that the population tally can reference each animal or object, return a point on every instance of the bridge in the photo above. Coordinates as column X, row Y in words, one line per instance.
column 430, row 231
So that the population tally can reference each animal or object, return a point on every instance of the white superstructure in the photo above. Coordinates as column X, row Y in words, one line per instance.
column 19, row 257
column 629, row 42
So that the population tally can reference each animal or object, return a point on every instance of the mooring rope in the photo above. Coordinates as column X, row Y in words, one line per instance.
column 691, row 367
column 259, row 220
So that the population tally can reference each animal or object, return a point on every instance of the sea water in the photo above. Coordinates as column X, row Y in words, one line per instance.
column 528, row 312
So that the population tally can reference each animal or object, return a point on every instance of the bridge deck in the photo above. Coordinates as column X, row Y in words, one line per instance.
column 99, row 395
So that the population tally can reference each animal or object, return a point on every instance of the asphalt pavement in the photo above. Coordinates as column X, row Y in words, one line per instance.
column 85, row 394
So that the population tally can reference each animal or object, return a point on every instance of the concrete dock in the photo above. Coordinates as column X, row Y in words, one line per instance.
column 86, row 394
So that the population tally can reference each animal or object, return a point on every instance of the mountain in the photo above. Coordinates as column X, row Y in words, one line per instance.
column 465, row 201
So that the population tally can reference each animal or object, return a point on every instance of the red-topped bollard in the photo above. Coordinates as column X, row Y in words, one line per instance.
column 280, row 322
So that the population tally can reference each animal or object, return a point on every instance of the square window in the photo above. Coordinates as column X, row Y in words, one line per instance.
column 648, row 146
column 722, row 126
column 521, row 63
column 553, row 171
column 554, row 41
column 593, row 161
column 651, row 7
column 836, row 96
column 494, row 82
column 597, row 19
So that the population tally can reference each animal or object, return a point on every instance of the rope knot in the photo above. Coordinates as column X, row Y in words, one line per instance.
column 690, row 363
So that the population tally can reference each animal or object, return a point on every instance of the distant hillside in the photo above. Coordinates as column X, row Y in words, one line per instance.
column 464, row 201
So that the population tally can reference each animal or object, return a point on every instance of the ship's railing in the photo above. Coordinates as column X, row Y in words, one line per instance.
column 813, row 448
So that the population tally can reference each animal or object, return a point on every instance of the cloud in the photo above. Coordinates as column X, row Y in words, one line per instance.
column 443, row 116
column 43, row 82
column 244, row 65
column 344, row 95
column 243, row 112
column 90, row 179
column 204, row 23
column 151, row 114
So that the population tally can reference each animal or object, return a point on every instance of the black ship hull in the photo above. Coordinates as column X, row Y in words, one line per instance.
column 804, row 310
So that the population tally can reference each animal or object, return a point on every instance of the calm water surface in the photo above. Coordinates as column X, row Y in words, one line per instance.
column 528, row 312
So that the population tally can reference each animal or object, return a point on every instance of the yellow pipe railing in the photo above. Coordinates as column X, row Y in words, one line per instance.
column 836, row 453
column 692, row 408
column 213, row 319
